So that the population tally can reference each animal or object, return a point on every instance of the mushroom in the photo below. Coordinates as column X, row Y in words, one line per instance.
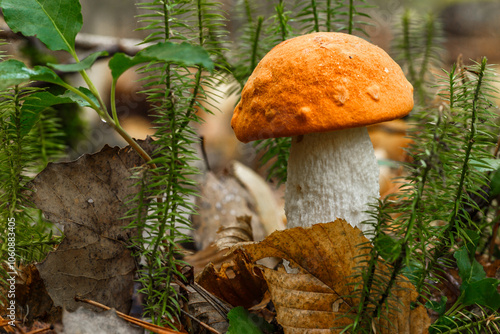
column 323, row 89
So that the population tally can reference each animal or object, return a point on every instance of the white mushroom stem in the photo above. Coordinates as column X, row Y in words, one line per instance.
column 331, row 175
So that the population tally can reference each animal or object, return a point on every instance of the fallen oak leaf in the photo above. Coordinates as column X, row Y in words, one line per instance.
column 211, row 254
column 240, row 230
column 34, row 298
column 205, row 310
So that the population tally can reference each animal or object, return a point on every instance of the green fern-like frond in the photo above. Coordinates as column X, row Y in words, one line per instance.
column 473, row 116
column 418, row 48
column 165, row 203
column 251, row 44
column 47, row 138
column 479, row 320
column 318, row 15
column 355, row 18
column 19, row 158
column 163, row 19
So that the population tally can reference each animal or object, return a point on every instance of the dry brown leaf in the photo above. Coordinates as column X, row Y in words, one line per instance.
column 204, row 311
column 302, row 300
column 239, row 230
column 210, row 254
column 310, row 301
column 324, row 251
column 235, row 282
column 221, row 201
column 32, row 297
column 410, row 321
column 88, row 197
column 266, row 206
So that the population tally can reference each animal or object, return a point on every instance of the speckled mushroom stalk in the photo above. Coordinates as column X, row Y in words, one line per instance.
column 323, row 89
column 331, row 175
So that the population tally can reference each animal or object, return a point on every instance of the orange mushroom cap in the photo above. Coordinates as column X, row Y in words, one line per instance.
column 321, row 82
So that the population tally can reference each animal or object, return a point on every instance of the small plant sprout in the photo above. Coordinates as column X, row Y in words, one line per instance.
column 323, row 89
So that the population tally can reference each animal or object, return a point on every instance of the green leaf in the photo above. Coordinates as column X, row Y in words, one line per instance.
column 483, row 292
column 242, row 321
column 469, row 270
column 120, row 62
column 183, row 54
column 471, row 240
column 77, row 67
column 80, row 100
column 34, row 105
column 55, row 23
column 412, row 270
column 14, row 72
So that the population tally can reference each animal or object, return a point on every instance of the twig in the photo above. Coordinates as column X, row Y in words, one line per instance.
column 5, row 323
column 36, row 331
column 146, row 325
column 204, row 325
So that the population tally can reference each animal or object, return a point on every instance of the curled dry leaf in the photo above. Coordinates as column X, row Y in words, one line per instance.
column 221, row 201
column 235, row 282
column 210, row 254
column 88, row 198
column 311, row 301
column 240, row 230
